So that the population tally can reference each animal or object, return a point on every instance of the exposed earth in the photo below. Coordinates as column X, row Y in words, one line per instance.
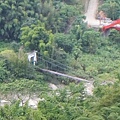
column 91, row 13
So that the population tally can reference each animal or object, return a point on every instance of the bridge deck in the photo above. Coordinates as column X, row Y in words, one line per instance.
column 65, row 75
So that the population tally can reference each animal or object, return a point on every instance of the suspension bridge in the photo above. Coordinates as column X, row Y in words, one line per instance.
column 56, row 68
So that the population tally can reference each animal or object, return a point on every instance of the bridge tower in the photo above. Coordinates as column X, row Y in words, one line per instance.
column 32, row 57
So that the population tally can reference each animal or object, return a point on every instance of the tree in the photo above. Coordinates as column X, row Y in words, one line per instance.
column 111, row 8
column 36, row 37
column 77, row 52
column 17, row 112
column 91, row 41
column 13, row 14
column 114, row 37
column 4, row 74
column 64, row 41
column 10, row 20
column 17, row 64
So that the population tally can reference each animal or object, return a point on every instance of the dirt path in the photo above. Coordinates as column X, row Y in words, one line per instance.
column 91, row 12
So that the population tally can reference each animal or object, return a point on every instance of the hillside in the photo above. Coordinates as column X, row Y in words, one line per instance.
column 65, row 45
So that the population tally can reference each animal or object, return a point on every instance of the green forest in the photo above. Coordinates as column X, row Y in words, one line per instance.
column 65, row 44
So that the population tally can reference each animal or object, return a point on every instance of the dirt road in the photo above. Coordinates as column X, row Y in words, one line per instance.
column 91, row 13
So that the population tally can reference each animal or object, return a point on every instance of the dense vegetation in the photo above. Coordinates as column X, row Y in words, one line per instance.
column 56, row 29
column 70, row 103
column 111, row 8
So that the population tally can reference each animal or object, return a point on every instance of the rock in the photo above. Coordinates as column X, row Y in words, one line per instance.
column 89, row 88
column 53, row 86
column 4, row 102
